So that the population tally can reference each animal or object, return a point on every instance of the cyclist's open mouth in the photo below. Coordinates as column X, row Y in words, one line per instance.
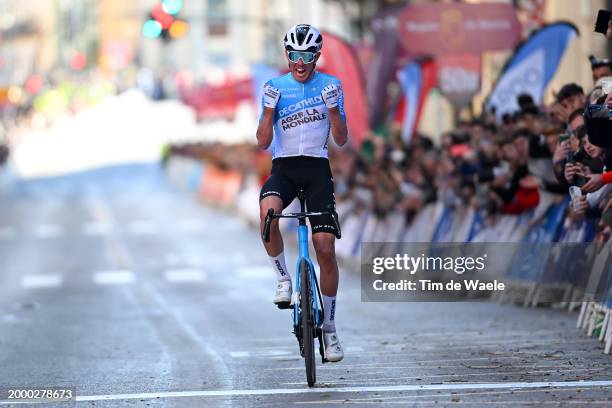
column 301, row 73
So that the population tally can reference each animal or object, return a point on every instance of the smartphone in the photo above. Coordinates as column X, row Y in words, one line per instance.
column 601, row 24
column 575, row 194
column 563, row 137
column 580, row 180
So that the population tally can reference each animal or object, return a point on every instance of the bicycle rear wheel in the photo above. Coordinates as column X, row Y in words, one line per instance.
column 307, row 322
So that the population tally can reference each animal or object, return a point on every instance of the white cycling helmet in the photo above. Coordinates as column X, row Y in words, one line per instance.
column 303, row 37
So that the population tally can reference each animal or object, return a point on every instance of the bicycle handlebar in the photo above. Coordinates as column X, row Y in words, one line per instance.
column 270, row 215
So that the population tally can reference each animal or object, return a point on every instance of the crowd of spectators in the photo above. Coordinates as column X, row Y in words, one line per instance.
column 495, row 167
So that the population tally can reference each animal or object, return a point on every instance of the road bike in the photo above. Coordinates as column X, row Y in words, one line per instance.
column 308, row 309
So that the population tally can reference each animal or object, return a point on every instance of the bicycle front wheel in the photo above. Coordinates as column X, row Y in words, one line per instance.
column 307, row 322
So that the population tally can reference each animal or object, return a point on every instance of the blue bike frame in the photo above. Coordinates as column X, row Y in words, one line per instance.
column 303, row 254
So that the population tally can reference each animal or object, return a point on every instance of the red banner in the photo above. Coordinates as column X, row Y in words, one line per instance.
column 219, row 102
column 434, row 29
column 339, row 59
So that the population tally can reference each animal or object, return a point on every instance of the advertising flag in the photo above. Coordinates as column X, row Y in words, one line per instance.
column 339, row 59
column 416, row 80
column 531, row 68
column 382, row 65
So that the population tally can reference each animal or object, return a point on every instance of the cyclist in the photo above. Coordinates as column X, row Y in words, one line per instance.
column 300, row 110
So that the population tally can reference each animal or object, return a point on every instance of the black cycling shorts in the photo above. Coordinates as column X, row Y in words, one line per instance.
column 311, row 174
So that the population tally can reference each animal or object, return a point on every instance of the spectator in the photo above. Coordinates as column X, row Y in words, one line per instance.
column 516, row 190
column 570, row 97
column 600, row 68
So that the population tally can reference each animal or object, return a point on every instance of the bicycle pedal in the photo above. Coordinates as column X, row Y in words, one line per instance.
column 283, row 305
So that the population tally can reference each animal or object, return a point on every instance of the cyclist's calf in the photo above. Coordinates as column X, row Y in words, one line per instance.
column 324, row 245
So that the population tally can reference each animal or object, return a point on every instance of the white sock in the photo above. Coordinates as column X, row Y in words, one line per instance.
column 329, row 321
column 278, row 263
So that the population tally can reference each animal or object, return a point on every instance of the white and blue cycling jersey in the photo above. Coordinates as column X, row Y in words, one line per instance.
column 301, row 120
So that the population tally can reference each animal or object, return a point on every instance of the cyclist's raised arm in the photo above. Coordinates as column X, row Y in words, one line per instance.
column 334, row 100
column 264, row 130
column 264, row 133
column 338, row 127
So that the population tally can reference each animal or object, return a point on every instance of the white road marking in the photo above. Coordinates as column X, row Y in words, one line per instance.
column 41, row 281
column 274, row 352
column 239, row 354
column 190, row 225
column 96, row 228
column 142, row 227
column 439, row 395
column 305, row 390
column 256, row 272
column 7, row 233
column 185, row 275
column 119, row 277
column 48, row 231
column 277, row 353
column 463, row 375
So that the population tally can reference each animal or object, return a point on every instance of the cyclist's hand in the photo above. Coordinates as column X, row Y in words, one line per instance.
column 271, row 96
column 330, row 95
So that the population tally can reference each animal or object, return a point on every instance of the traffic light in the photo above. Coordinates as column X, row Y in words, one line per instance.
column 151, row 28
column 178, row 29
column 172, row 7
column 163, row 23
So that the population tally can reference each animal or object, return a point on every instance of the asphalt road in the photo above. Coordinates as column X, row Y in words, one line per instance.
column 136, row 295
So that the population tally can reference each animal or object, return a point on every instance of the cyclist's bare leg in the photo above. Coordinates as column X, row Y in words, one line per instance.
column 274, row 248
column 275, row 245
column 324, row 244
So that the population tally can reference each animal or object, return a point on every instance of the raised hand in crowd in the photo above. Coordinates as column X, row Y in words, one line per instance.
column 559, row 112
column 571, row 170
column 594, row 183
column 561, row 151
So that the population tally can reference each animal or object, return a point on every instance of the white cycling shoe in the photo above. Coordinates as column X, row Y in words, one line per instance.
column 333, row 348
column 282, row 296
